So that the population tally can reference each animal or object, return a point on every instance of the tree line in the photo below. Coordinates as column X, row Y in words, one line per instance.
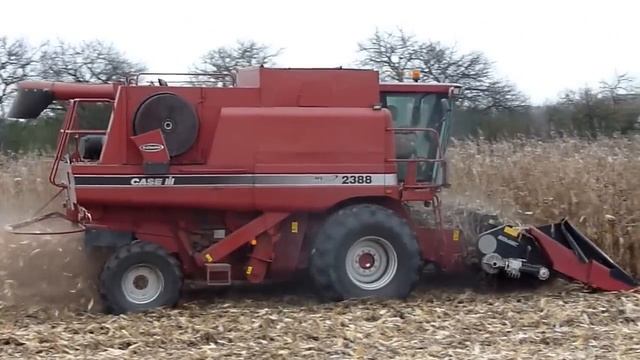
column 490, row 106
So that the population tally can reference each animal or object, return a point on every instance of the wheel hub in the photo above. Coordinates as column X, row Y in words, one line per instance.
column 142, row 284
column 371, row 262
column 366, row 261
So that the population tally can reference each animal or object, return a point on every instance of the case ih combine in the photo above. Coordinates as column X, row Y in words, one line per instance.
column 285, row 171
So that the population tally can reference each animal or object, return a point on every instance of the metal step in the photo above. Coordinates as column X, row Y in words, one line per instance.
column 218, row 274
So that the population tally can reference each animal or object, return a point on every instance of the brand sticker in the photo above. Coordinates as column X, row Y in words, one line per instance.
column 151, row 147
column 153, row 181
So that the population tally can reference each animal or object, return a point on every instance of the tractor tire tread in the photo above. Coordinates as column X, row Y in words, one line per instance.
column 120, row 254
column 331, row 234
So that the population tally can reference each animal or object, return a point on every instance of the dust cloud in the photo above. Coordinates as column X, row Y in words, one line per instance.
column 45, row 270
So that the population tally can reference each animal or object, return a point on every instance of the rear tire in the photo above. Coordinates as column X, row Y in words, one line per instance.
column 139, row 277
column 365, row 251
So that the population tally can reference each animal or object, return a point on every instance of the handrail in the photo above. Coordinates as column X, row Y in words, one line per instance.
column 63, row 138
column 417, row 160
column 212, row 74
column 412, row 171
column 62, row 142
column 432, row 132
column 87, row 131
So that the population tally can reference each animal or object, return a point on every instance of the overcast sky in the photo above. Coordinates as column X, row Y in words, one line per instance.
column 543, row 46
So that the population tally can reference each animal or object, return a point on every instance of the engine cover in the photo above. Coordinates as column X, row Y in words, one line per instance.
column 174, row 116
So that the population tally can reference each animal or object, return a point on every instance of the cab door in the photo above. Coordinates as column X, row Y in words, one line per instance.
column 416, row 110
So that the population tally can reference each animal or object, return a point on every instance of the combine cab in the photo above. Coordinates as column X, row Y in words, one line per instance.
column 281, row 172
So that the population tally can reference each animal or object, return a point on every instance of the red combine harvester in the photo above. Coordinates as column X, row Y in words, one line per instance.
column 285, row 171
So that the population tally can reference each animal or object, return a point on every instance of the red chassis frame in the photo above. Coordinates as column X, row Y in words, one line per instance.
column 259, row 243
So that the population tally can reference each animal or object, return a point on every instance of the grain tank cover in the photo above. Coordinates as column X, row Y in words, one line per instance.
column 313, row 87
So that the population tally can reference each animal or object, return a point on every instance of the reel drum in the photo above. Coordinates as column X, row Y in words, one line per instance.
column 174, row 116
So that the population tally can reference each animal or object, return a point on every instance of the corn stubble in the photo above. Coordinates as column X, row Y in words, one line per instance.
column 49, row 307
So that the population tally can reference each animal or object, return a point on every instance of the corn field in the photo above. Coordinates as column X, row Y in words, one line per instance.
column 596, row 185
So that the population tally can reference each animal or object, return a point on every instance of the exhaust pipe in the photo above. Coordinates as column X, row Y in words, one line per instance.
column 33, row 97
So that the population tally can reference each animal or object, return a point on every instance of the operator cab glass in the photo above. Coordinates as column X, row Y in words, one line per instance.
column 418, row 110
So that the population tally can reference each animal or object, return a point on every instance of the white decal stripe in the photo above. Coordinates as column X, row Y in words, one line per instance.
column 231, row 180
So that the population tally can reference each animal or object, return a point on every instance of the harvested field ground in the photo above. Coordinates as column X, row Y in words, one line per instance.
column 438, row 323
column 49, row 308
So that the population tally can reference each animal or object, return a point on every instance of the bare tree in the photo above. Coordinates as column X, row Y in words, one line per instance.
column 612, row 108
column 91, row 61
column 620, row 85
column 482, row 87
column 393, row 54
column 586, row 111
column 17, row 60
column 244, row 53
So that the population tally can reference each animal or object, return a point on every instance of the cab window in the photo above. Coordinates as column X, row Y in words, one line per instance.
column 415, row 110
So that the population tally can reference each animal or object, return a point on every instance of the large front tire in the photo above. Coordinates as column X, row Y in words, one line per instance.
column 365, row 251
column 140, row 276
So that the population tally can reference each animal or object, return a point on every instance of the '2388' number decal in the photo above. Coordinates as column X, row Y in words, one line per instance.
column 357, row 179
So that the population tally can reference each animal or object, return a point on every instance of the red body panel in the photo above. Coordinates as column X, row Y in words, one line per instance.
column 281, row 146
column 240, row 134
column 156, row 153
column 329, row 88
column 442, row 247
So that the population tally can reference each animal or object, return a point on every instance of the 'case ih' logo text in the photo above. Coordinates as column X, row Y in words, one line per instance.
column 151, row 147
column 153, row 181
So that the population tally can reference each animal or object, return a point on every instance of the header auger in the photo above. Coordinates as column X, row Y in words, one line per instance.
column 283, row 171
